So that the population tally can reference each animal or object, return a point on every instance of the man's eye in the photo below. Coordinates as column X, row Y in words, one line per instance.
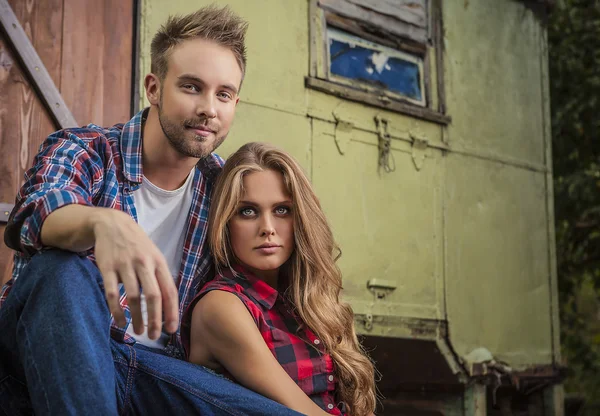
column 225, row 95
column 190, row 87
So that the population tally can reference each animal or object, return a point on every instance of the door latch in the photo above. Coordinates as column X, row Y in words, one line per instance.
column 381, row 288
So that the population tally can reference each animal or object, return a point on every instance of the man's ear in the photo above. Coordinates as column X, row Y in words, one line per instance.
column 152, row 86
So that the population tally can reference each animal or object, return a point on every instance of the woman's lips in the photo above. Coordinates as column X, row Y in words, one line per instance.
column 268, row 249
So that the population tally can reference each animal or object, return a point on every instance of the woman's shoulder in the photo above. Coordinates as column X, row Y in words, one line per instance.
column 233, row 283
column 224, row 282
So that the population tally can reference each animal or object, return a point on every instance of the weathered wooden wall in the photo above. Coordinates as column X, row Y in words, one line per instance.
column 86, row 46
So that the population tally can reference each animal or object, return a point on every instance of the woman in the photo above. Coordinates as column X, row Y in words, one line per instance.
column 271, row 319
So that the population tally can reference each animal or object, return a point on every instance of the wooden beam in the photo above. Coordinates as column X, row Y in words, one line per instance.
column 370, row 98
column 375, row 19
column 36, row 70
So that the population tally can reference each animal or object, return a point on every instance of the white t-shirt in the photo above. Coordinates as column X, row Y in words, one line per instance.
column 163, row 216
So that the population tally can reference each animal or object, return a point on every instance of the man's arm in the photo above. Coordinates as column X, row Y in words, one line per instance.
column 124, row 253
column 55, row 209
column 223, row 330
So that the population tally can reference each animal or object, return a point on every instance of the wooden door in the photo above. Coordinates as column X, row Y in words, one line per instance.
column 87, row 48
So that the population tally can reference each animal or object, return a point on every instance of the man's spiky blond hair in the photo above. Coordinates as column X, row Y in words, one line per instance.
column 217, row 24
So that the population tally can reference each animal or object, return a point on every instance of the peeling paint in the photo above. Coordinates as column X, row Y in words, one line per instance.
column 380, row 60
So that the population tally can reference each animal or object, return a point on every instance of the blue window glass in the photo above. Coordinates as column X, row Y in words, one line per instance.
column 374, row 67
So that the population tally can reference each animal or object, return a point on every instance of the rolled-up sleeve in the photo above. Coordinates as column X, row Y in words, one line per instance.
column 65, row 171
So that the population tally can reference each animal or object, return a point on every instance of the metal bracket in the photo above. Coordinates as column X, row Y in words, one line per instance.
column 343, row 134
column 381, row 288
column 419, row 148
column 368, row 321
column 386, row 157
column 5, row 210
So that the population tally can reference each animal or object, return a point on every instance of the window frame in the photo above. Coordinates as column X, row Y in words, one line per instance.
column 320, row 79
column 417, row 60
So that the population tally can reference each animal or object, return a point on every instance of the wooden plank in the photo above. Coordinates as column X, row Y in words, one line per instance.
column 118, row 61
column 24, row 120
column 409, row 11
column 356, row 28
column 97, row 60
column 34, row 66
column 382, row 22
column 369, row 98
column 438, row 41
column 136, row 90
column 105, row 28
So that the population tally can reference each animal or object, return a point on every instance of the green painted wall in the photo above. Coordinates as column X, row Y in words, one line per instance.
column 468, row 237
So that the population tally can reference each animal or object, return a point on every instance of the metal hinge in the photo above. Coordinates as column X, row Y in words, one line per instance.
column 5, row 210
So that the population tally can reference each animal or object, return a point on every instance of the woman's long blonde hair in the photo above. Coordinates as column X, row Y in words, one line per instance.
column 314, row 279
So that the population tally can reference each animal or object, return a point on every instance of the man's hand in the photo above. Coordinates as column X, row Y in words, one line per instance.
column 124, row 253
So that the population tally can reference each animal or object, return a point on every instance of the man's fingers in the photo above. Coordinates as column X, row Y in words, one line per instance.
column 170, row 297
column 152, row 294
column 132, row 288
column 111, row 289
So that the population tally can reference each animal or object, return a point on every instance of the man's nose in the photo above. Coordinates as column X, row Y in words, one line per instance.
column 206, row 107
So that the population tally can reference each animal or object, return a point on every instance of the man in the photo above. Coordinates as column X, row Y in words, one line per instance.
column 124, row 210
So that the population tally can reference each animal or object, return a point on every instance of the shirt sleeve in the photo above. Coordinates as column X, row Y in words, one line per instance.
column 65, row 171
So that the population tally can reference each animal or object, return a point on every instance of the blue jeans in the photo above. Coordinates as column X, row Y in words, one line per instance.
column 57, row 358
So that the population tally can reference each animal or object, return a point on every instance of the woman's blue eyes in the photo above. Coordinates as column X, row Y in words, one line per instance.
column 249, row 212
column 282, row 210
column 246, row 212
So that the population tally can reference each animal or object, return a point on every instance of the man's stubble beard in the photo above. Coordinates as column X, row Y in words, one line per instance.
column 175, row 134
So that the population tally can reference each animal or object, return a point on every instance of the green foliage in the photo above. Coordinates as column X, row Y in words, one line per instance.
column 574, row 59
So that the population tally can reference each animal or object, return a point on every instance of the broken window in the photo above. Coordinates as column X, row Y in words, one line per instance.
column 379, row 52
column 375, row 66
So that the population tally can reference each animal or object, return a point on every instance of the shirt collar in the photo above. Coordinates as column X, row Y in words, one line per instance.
column 131, row 149
column 256, row 288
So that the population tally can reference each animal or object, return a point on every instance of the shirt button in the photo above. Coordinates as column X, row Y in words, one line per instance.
column 330, row 378
column 330, row 406
column 317, row 342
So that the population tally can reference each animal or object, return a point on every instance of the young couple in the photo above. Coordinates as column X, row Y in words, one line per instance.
column 122, row 233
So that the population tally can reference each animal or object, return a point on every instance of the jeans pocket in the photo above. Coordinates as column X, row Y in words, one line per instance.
column 14, row 399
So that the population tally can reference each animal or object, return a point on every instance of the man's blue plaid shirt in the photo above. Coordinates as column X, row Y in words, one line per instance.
column 101, row 167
